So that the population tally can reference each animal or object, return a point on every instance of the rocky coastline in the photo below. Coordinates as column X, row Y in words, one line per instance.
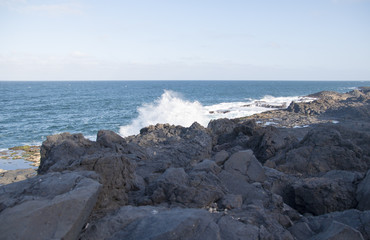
column 295, row 173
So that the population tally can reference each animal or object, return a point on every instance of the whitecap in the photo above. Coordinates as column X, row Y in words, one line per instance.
column 169, row 108
column 172, row 108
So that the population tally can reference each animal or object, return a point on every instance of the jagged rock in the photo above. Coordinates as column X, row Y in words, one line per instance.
column 51, row 206
column 338, row 231
column 231, row 229
column 231, row 201
column 222, row 129
column 315, row 169
column 363, row 193
column 323, row 195
column 154, row 223
column 357, row 220
column 73, row 152
column 245, row 163
column 228, row 134
column 208, row 166
column 221, row 157
column 301, row 231
column 196, row 189
column 281, row 184
column 11, row 176
column 267, row 142
column 323, row 149
column 171, row 146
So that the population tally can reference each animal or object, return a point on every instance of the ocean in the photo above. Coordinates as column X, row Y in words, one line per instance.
column 30, row 111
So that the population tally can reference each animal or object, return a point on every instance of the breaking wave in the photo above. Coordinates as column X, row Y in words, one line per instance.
column 172, row 108
column 169, row 108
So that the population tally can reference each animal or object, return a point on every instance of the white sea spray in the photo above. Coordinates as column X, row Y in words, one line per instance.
column 172, row 108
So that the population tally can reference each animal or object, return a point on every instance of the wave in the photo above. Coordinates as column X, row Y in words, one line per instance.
column 172, row 108
column 169, row 108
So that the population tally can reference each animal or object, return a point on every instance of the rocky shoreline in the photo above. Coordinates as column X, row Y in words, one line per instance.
column 298, row 173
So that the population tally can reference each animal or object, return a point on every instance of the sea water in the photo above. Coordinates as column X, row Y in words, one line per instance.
column 30, row 111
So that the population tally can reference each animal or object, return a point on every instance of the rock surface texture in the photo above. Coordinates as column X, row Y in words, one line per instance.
column 235, row 179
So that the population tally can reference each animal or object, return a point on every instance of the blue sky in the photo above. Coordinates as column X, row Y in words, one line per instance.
column 185, row 40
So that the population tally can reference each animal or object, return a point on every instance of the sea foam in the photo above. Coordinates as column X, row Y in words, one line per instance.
column 169, row 108
column 172, row 108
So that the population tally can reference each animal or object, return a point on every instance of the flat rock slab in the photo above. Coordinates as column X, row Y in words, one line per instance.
column 51, row 206
column 245, row 162
column 154, row 223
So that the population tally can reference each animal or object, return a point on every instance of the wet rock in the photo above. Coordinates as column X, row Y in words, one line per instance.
column 52, row 206
column 11, row 176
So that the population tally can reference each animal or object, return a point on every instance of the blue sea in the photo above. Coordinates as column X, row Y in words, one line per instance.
column 30, row 111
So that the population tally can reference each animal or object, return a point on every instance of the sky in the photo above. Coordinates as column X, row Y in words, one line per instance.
column 185, row 40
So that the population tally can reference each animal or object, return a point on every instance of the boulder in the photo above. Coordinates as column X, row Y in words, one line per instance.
column 149, row 222
column 363, row 193
column 52, row 206
column 231, row 229
column 353, row 221
column 335, row 191
column 197, row 189
column 323, row 149
column 269, row 141
column 231, row 201
column 246, row 164
column 221, row 157
column 75, row 153
column 338, row 231
column 208, row 166
column 171, row 146
column 228, row 134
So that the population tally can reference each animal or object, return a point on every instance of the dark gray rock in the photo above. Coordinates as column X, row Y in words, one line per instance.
column 11, row 176
column 269, row 141
column 363, row 193
column 52, row 206
column 231, row 229
column 231, row 201
column 171, row 146
column 323, row 149
column 228, row 134
column 221, row 157
column 245, row 163
column 326, row 194
column 301, row 231
column 338, row 231
column 208, row 166
column 75, row 153
column 154, row 223
column 355, row 219
column 196, row 189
